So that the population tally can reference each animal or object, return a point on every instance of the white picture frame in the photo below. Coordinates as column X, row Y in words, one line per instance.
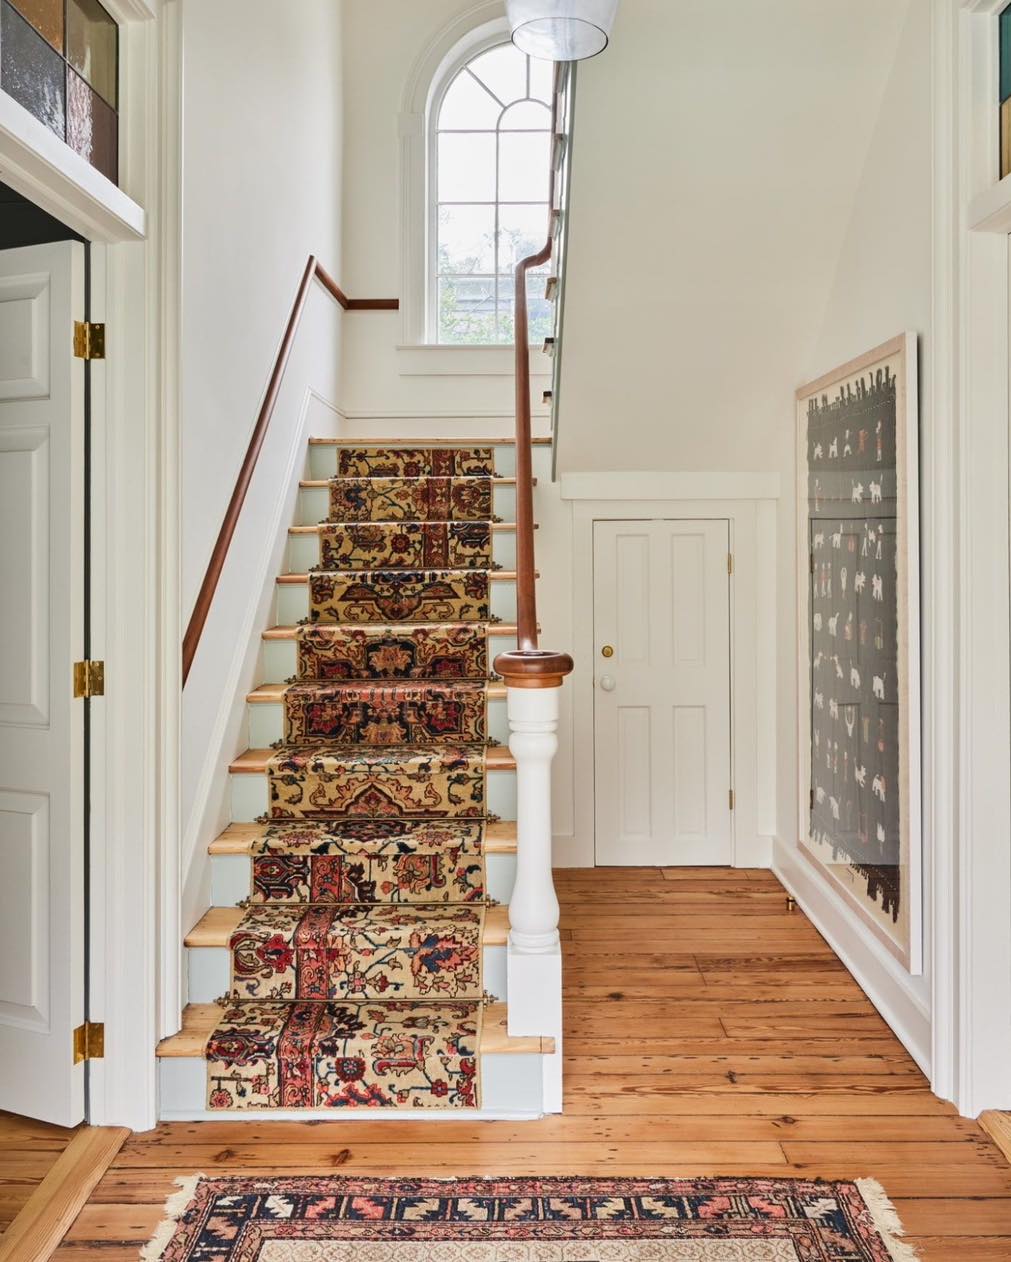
column 845, row 733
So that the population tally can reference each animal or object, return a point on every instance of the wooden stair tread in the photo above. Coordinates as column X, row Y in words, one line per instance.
column 238, row 839
column 254, row 761
column 273, row 694
column 217, row 924
column 494, row 576
column 320, row 483
column 421, row 444
column 498, row 527
column 199, row 1020
column 505, row 629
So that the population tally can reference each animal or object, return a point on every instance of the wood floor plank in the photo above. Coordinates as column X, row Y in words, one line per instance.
column 52, row 1207
column 708, row 1032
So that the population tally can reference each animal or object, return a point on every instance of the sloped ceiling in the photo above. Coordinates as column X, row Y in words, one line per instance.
column 718, row 154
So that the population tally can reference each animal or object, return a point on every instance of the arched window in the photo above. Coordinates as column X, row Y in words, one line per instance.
column 488, row 195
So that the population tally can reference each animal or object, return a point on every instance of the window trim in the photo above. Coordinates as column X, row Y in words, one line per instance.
column 493, row 36
column 468, row 35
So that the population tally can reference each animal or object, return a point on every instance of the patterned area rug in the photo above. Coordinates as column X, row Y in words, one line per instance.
column 320, row 1219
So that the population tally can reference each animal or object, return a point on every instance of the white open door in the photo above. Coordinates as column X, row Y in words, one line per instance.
column 42, row 804
column 661, row 624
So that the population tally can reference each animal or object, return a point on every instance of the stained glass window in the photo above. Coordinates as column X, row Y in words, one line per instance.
column 60, row 60
column 491, row 187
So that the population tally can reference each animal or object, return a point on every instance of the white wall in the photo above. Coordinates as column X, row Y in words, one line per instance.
column 881, row 287
column 262, row 172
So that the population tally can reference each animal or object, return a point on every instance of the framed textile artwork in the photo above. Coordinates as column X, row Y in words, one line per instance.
column 858, row 632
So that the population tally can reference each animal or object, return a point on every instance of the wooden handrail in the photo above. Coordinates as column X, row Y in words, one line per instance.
column 529, row 666
column 313, row 271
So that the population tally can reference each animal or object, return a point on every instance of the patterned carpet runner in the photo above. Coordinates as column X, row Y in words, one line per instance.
column 356, row 976
column 327, row 1218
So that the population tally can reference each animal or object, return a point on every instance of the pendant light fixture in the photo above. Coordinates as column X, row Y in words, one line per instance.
column 561, row 30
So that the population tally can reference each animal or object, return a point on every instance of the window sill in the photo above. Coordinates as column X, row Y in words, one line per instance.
column 431, row 360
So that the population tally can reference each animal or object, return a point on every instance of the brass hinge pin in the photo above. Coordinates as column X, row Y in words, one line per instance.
column 89, row 679
column 89, row 1041
column 89, row 340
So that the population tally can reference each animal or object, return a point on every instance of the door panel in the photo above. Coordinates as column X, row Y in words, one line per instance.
column 662, row 700
column 41, row 726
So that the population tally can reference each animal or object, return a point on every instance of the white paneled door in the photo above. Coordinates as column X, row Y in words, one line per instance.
column 661, row 624
column 42, row 802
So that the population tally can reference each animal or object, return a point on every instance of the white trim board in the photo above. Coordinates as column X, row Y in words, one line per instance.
column 38, row 164
column 967, row 692
column 670, row 486
column 753, row 533
column 878, row 974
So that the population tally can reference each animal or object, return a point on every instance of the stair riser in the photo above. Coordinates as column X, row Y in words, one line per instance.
column 280, row 657
column 231, row 878
column 266, row 723
column 249, row 796
column 512, row 1087
column 293, row 602
column 209, row 972
column 323, row 460
column 314, row 504
column 303, row 551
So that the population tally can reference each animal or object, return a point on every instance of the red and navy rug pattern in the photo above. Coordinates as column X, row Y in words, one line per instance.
column 323, row 1219
column 356, row 967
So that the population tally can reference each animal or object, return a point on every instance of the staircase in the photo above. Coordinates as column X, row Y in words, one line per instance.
column 355, row 958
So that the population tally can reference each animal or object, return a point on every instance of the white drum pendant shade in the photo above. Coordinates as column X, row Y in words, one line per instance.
column 561, row 30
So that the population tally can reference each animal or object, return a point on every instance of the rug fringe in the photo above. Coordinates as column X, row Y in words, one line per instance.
column 175, row 1207
column 886, row 1220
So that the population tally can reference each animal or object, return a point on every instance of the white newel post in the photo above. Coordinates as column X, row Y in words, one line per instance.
column 534, row 953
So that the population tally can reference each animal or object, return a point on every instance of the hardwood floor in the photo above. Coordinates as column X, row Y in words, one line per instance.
column 708, row 1031
column 28, row 1151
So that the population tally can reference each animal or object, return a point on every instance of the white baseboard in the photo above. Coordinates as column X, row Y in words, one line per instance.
column 570, row 851
column 876, row 973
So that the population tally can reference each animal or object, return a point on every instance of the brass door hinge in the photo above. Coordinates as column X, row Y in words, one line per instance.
column 89, row 1041
column 731, row 795
column 730, row 563
column 89, row 340
column 89, row 679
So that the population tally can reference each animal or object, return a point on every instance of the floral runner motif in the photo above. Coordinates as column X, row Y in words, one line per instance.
column 328, row 1055
column 410, row 499
column 464, row 545
column 330, row 782
column 391, row 714
column 339, row 953
column 357, row 966
column 385, row 652
column 415, row 462
column 399, row 596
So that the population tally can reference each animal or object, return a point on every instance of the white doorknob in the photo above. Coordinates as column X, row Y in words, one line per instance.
column 607, row 682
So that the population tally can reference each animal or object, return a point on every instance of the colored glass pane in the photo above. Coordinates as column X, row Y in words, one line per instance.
column 93, row 46
column 47, row 18
column 30, row 71
column 92, row 126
